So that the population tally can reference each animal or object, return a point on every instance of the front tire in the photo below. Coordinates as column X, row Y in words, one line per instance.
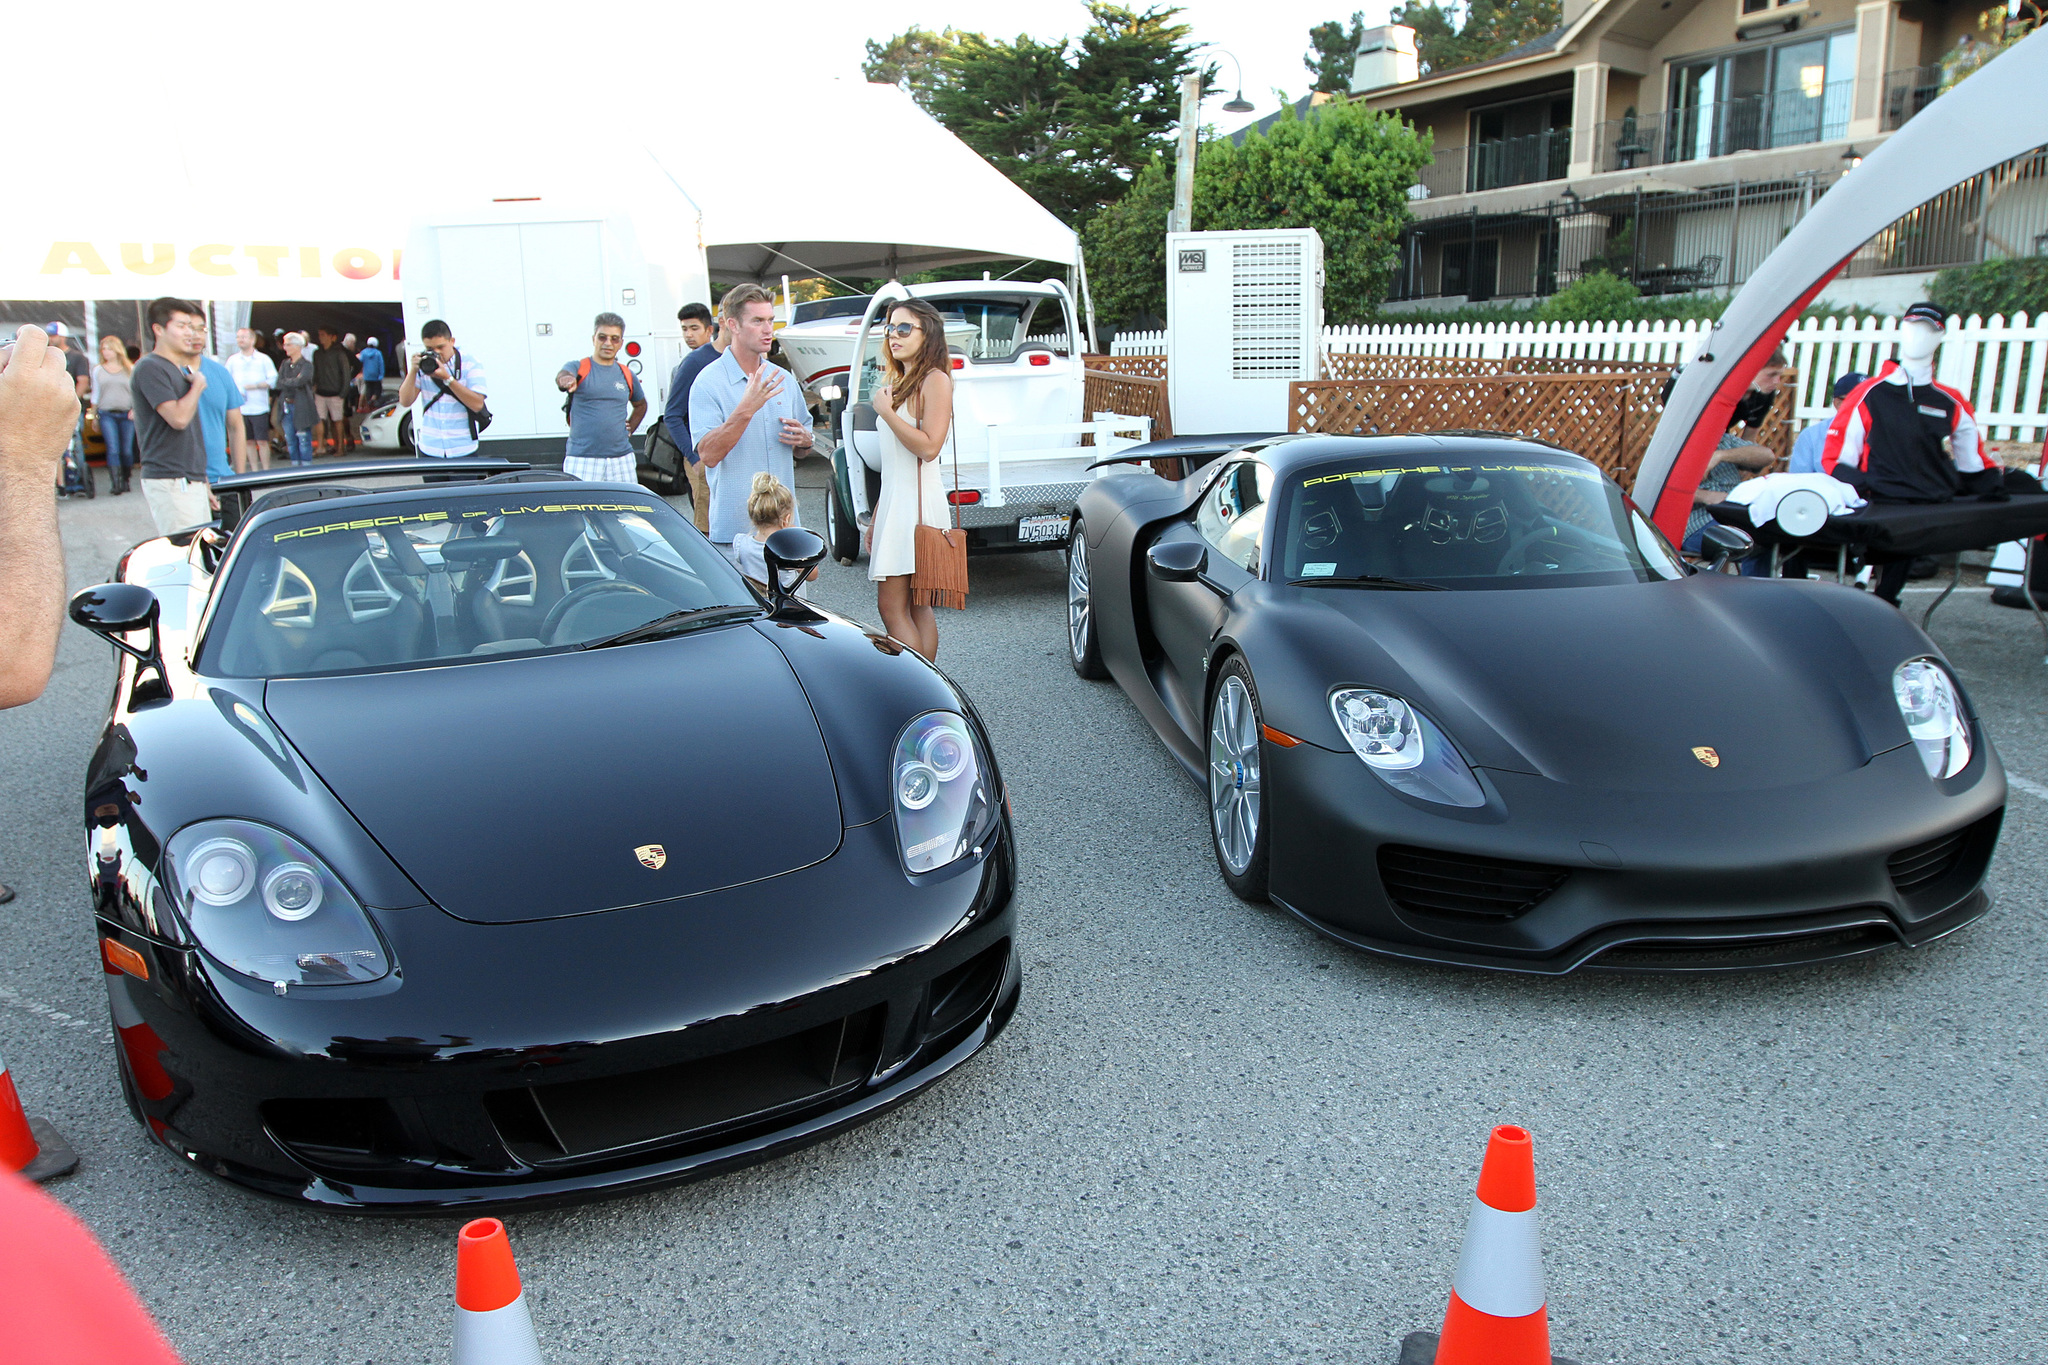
column 1084, row 650
column 1237, row 825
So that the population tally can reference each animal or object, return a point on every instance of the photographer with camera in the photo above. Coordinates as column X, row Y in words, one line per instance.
column 446, row 425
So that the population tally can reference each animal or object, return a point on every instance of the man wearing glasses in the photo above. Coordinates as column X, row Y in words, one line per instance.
column 604, row 407
column 169, row 437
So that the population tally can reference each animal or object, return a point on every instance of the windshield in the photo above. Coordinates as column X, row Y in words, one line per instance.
column 986, row 329
column 416, row 581
column 845, row 306
column 1528, row 520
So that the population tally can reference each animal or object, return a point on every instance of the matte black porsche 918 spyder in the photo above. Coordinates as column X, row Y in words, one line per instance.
column 484, row 840
column 1456, row 699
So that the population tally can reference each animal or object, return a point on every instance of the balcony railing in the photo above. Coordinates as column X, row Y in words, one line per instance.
column 1775, row 118
column 1907, row 92
column 1498, row 163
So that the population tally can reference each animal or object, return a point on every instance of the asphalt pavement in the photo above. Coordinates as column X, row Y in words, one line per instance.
column 1208, row 1135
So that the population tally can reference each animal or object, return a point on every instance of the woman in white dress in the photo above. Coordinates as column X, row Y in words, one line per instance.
column 915, row 412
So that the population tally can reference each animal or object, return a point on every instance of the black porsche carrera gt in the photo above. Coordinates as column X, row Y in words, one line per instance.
column 487, row 838
column 1456, row 699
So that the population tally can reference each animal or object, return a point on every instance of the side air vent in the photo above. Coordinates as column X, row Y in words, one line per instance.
column 1431, row 883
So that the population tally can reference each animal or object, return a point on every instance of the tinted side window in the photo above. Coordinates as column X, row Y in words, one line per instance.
column 1232, row 515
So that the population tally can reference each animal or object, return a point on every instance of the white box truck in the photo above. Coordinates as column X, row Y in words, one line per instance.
column 520, row 282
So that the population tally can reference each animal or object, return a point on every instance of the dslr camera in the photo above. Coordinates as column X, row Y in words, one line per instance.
column 430, row 361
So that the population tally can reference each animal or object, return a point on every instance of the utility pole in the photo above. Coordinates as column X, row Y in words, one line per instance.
column 1182, row 219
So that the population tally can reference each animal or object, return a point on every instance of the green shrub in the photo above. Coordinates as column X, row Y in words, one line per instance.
column 1598, row 297
column 2008, row 287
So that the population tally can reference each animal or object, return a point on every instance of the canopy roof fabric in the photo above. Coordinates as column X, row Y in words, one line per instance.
column 766, row 206
column 875, row 213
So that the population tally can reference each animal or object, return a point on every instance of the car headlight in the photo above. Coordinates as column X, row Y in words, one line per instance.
column 261, row 903
column 944, row 797
column 1934, row 716
column 1404, row 747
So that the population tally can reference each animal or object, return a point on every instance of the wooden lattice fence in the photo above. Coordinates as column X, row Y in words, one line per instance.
column 1130, row 395
column 1144, row 366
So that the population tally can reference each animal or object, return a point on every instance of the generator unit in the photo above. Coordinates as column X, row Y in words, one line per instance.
column 1244, row 319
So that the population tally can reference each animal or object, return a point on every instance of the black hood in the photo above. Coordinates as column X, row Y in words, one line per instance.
column 520, row 789
column 1616, row 686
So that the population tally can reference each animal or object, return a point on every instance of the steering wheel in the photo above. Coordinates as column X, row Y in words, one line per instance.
column 553, row 620
column 1518, row 556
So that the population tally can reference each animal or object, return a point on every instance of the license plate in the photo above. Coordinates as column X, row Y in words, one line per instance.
column 1052, row 526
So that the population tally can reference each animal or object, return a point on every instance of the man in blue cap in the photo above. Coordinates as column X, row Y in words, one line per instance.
column 1806, row 451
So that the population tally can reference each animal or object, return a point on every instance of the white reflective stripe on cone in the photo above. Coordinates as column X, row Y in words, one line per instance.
column 502, row 1336
column 1500, row 1271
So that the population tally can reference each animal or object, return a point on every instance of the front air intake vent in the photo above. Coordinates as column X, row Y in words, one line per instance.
column 1921, row 864
column 1462, row 886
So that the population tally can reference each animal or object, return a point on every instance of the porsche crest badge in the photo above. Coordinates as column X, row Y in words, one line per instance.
column 1703, row 752
column 654, row 855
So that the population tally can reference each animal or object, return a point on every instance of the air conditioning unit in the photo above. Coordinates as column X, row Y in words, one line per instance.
column 1244, row 319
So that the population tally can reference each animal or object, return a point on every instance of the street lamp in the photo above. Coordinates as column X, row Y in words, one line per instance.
column 1239, row 104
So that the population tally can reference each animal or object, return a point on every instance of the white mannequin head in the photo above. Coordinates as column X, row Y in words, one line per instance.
column 1918, row 341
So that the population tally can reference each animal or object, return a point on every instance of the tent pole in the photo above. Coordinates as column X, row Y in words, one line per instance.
column 1087, row 299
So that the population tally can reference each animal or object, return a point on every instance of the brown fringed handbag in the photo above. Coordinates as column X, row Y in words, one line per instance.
column 940, row 576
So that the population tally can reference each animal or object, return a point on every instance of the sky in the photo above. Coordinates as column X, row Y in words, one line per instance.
column 622, row 59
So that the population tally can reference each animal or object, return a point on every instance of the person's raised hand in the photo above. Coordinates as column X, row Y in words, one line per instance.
column 883, row 399
column 38, row 404
column 198, row 378
column 795, row 433
column 763, row 384
column 565, row 380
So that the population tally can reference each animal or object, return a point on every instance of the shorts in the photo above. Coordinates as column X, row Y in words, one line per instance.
column 177, row 504
column 328, row 408
column 615, row 469
column 256, row 426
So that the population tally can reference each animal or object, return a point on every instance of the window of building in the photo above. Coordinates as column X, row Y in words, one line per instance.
column 1779, row 95
column 1519, row 143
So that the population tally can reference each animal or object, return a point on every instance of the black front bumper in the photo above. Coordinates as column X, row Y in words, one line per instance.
column 1635, row 881
column 558, row 1060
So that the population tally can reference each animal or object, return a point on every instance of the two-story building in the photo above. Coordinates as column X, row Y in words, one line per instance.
column 1673, row 142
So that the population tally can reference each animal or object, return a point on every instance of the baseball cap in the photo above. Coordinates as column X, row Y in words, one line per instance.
column 1846, row 385
column 371, row 342
column 56, row 329
column 1927, row 313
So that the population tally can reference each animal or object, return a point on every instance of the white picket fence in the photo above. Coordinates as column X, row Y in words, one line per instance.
column 2000, row 364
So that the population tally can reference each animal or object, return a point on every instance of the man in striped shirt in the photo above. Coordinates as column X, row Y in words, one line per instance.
column 444, row 427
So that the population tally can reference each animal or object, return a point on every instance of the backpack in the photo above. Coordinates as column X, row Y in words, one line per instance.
column 583, row 377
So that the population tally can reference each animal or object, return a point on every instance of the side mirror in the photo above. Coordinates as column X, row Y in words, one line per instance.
column 1177, row 561
column 1724, row 545
column 110, row 611
column 795, row 552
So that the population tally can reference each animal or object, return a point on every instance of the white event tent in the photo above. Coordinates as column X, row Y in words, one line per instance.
column 910, row 197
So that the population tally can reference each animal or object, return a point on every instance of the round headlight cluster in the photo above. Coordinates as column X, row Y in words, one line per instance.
column 1934, row 716
column 943, row 791
column 1380, row 729
column 261, row 903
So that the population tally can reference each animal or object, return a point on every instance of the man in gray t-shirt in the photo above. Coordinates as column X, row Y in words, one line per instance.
column 169, row 437
column 605, row 405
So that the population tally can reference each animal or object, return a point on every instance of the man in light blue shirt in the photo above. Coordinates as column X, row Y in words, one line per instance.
column 221, row 402
column 746, row 416
column 1806, row 451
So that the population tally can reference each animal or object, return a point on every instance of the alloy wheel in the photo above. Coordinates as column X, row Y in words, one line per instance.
column 1234, row 774
column 1080, row 618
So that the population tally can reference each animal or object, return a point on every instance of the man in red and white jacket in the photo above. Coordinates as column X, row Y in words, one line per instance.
column 1901, row 437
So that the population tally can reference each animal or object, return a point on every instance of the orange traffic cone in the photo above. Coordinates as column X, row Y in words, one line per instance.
column 1496, row 1315
column 492, row 1326
column 28, row 1145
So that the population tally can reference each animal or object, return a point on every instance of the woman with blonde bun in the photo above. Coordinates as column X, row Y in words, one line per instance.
column 770, row 507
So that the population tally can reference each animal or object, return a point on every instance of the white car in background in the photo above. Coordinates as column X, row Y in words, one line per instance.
column 387, row 426
column 1019, row 390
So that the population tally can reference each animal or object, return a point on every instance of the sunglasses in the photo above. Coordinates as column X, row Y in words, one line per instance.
column 902, row 329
